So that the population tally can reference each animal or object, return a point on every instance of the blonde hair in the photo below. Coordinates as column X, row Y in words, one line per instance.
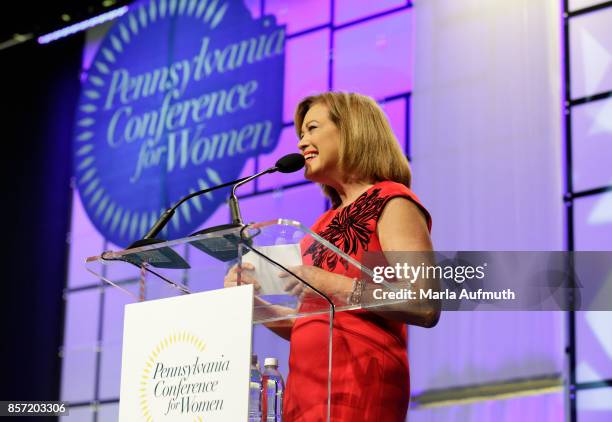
column 368, row 147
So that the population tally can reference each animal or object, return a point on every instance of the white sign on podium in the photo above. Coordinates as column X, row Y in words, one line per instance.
column 188, row 358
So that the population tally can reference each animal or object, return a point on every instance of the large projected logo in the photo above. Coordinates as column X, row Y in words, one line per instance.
column 180, row 94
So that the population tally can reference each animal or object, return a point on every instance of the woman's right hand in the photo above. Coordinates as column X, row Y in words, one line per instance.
column 245, row 274
column 241, row 274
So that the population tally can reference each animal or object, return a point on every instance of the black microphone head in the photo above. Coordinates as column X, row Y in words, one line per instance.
column 290, row 163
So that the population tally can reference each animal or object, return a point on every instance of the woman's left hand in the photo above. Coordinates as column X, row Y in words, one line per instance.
column 329, row 283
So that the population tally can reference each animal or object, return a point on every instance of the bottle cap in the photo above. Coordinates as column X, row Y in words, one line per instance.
column 271, row 362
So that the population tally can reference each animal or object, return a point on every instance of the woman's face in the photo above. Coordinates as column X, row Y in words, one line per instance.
column 320, row 145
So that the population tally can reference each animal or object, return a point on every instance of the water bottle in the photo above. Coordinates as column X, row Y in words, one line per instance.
column 255, row 391
column 273, row 390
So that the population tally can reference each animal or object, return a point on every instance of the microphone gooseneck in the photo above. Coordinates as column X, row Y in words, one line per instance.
column 150, row 239
column 288, row 164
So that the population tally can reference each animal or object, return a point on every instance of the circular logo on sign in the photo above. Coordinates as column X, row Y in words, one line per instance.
column 175, row 389
column 180, row 94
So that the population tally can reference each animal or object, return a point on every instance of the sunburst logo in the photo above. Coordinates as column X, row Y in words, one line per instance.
column 180, row 94
column 177, row 383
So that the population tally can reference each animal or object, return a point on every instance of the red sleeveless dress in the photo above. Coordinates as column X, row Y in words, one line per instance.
column 370, row 376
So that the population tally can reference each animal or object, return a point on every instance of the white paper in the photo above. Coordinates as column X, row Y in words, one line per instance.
column 267, row 274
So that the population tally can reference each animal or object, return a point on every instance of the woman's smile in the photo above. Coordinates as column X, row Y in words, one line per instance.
column 310, row 155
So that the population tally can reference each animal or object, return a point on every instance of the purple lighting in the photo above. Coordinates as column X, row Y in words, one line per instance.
column 299, row 15
column 382, row 46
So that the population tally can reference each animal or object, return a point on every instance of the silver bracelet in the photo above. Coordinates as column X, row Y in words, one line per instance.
column 356, row 292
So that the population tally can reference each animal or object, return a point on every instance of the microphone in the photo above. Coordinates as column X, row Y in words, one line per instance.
column 288, row 164
column 225, row 247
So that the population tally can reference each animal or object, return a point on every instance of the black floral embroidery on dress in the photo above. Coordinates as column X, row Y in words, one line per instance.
column 348, row 230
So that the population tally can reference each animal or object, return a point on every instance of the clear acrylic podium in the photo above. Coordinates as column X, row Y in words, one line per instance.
column 200, row 262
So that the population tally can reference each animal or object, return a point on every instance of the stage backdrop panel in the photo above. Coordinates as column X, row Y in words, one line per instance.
column 545, row 407
column 582, row 4
column 83, row 413
column 397, row 111
column 591, row 53
column 593, row 346
column 382, row 46
column 486, row 154
column 470, row 348
column 112, row 340
column 352, row 10
column 593, row 222
column 592, row 145
column 594, row 405
column 299, row 15
column 84, row 241
column 80, row 352
column 306, row 69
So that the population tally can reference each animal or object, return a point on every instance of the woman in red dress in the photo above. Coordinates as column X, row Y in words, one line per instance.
column 352, row 153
